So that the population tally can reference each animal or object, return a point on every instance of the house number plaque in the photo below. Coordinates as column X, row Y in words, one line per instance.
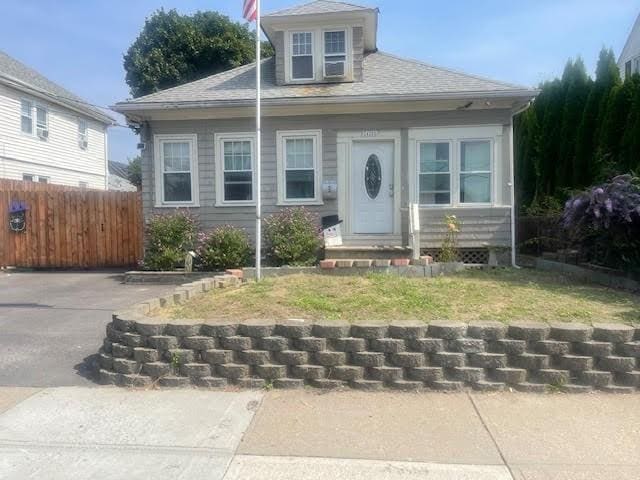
column 369, row 133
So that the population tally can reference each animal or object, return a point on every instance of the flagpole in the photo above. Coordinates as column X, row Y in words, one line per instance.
column 258, row 151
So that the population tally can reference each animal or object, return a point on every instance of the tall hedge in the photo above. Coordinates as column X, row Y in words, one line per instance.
column 579, row 131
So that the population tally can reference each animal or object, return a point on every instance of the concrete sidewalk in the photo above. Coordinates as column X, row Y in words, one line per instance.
column 81, row 433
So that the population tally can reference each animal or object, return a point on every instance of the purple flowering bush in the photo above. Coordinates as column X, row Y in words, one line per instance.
column 604, row 222
column 223, row 247
column 292, row 237
column 169, row 238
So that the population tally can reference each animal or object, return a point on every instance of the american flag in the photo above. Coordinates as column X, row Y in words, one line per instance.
column 250, row 10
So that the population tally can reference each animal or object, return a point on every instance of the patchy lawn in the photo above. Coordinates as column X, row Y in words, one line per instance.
column 504, row 295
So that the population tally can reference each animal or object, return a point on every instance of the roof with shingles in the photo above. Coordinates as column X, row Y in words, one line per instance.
column 316, row 7
column 16, row 73
column 384, row 75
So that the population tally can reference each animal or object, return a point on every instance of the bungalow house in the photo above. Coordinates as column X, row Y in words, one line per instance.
column 48, row 134
column 629, row 60
column 347, row 130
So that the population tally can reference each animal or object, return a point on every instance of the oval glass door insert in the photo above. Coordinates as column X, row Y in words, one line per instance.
column 373, row 176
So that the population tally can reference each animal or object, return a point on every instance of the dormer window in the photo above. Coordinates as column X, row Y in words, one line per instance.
column 302, row 56
column 335, row 53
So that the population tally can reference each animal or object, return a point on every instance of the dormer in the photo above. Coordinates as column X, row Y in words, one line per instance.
column 321, row 42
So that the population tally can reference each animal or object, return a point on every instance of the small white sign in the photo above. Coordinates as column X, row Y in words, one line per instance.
column 369, row 133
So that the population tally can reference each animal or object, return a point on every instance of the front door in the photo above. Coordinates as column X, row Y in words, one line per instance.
column 372, row 187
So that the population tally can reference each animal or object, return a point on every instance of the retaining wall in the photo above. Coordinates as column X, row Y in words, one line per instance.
column 141, row 350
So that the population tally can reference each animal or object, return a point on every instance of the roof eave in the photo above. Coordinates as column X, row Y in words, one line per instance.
column 132, row 107
column 30, row 89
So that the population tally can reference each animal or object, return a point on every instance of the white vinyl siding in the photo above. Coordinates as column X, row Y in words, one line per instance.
column 235, row 161
column 176, row 166
column 299, row 166
column 59, row 159
column 302, row 64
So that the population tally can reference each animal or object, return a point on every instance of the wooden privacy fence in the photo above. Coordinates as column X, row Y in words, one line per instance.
column 68, row 227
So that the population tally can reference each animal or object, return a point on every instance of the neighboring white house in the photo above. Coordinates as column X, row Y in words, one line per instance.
column 629, row 61
column 48, row 134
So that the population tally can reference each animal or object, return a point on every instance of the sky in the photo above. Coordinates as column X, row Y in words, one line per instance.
column 80, row 43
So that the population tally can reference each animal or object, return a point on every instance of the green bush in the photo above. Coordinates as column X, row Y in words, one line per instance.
column 292, row 237
column 224, row 247
column 169, row 238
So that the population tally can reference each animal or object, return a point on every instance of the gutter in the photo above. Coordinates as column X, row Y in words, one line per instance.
column 513, row 185
column 133, row 106
column 70, row 103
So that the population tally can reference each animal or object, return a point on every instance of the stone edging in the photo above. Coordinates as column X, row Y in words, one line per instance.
column 142, row 351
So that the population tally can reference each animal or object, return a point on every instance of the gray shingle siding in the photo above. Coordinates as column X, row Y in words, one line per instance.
column 278, row 46
column 358, row 53
column 481, row 225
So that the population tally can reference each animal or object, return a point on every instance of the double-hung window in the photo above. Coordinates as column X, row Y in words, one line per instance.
column 302, row 67
column 42, row 122
column 83, row 135
column 335, row 53
column 26, row 117
column 475, row 171
column 299, row 166
column 435, row 173
column 234, row 168
column 176, row 170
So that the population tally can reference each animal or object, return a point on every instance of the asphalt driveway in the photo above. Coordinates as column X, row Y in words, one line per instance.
column 52, row 323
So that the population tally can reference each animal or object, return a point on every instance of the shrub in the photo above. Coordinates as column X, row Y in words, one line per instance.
column 169, row 238
column 224, row 247
column 292, row 237
column 449, row 249
column 604, row 222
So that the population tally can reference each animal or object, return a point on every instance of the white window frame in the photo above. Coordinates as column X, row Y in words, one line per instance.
column 31, row 111
column 456, row 135
column 33, row 178
column 281, row 138
column 219, row 140
column 451, row 144
column 158, row 141
column 460, row 172
column 42, row 126
column 42, row 177
column 346, row 56
column 83, row 136
column 313, row 56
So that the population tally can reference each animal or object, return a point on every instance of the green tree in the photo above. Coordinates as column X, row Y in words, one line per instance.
column 630, row 145
column 134, row 171
column 607, row 76
column 173, row 49
column 577, row 84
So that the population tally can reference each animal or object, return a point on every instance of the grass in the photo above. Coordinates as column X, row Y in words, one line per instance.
column 505, row 295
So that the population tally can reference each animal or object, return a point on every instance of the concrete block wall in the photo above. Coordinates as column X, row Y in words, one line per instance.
column 141, row 351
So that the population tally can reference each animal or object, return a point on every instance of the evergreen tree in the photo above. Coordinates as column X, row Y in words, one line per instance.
column 614, row 122
column 577, row 84
column 630, row 145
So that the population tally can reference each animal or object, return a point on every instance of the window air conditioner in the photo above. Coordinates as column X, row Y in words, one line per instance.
column 43, row 133
column 334, row 68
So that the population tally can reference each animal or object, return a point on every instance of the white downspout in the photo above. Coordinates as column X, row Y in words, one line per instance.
column 512, row 185
column 106, row 158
